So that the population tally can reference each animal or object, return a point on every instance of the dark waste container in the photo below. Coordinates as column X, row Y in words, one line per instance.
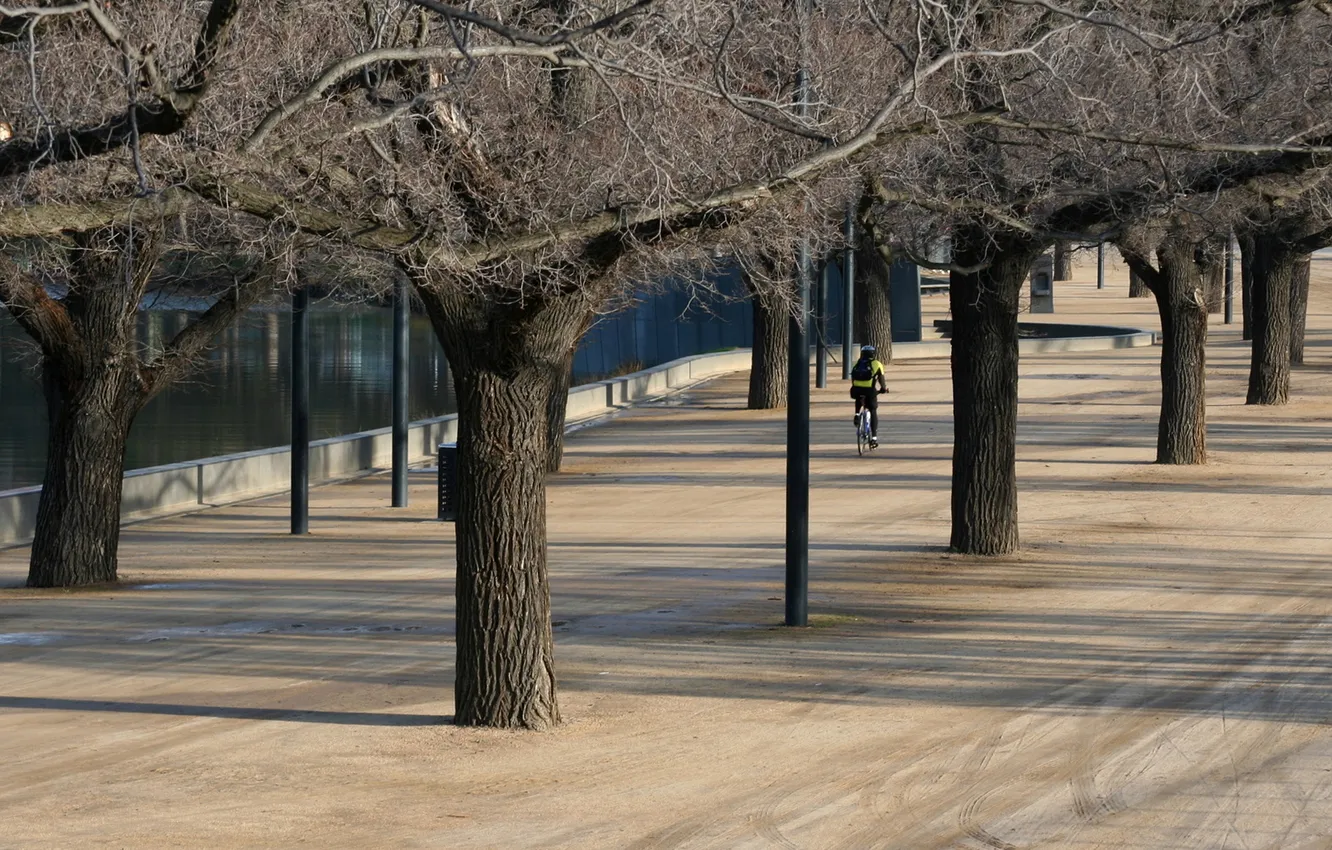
column 448, row 482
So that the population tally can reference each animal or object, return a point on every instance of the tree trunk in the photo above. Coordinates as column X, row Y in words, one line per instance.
column 1245, row 241
column 1273, row 271
column 508, row 355
column 556, row 406
column 78, row 517
column 1299, row 310
column 1211, row 259
column 984, row 307
column 1063, row 260
column 873, row 318
column 1137, row 286
column 1182, row 431
column 769, row 361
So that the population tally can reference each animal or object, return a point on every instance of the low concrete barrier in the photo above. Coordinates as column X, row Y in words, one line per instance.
column 180, row 487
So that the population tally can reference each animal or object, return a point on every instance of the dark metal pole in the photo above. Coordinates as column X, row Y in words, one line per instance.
column 848, row 289
column 1230, row 279
column 401, row 350
column 300, row 411
column 821, row 329
column 1100, row 266
column 797, row 432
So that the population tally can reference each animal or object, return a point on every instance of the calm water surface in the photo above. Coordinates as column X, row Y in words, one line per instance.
column 240, row 398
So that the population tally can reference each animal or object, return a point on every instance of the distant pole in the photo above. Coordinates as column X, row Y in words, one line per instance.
column 821, row 328
column 797, row 431
column 1230, row 279
column 401, row 351
column 300, row 411
column 1100, row 266
column 848, row 289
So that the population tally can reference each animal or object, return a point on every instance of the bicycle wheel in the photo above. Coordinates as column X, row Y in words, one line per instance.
column 862, row 434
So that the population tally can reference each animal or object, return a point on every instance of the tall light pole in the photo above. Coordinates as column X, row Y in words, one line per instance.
column 797, row 428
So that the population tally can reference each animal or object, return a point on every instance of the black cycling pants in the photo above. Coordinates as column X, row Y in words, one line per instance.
column 868, row 397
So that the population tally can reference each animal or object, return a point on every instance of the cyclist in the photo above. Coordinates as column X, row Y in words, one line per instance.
column 867, row 381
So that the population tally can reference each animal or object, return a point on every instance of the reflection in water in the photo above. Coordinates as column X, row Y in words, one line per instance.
column 240, row 398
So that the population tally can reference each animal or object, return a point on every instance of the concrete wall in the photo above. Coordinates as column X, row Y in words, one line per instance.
column 180, row 487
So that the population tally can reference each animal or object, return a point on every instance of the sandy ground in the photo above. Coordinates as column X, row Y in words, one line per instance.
column 1151, row 672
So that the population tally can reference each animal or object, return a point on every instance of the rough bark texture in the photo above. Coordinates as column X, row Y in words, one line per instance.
column 1272, row 268
column 984, row 307
column 772, row 332
column 78, row 517
column 96, row 379
column 1211, row 259
column 508, row 355
column 873, row 320
column 1063, row 260
column 1299, row 310
column 1182, row 430
column 1245, row 241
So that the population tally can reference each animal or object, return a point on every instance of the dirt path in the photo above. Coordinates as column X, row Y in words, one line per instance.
column 1151, row 672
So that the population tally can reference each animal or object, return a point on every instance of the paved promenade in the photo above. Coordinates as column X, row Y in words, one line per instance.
column 1152, row 671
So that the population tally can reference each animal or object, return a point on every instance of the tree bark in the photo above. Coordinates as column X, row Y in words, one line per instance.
column 984, row 307
column 508, row 354
column 873, row 318
column 1299, row 309
column 556, row 407
column 769, row 361
column 1245, row 241
column 1182, row 429
column 77, row 533
column 1063, row 260
column 1273, row 271
column 1211, row 259
column 558, row 404
column 1137, row 287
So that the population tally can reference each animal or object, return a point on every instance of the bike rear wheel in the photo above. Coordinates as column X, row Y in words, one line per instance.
column 862, row 435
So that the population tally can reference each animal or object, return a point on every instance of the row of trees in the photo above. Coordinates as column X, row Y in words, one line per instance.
column 523, row 164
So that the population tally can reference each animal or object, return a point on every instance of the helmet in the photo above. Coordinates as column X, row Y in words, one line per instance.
column 868, row 351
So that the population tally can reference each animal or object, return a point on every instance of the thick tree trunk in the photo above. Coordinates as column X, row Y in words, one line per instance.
column 769, row 361
column 508, row 355
column 1063, row 260
column 78, row 517
column 873, row 318
column 1273, row 271
column 1182, row 431
column 1299, row 310
column 1245, row 242
column 984, row 307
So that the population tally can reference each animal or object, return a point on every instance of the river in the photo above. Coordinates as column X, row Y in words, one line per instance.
column 240, row 398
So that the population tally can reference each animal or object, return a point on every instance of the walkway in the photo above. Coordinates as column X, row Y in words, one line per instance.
column 1151, row 672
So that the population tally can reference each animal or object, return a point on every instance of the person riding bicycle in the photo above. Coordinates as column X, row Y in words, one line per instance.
column 867, row 381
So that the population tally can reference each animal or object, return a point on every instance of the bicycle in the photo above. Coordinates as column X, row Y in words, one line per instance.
column 864, row 435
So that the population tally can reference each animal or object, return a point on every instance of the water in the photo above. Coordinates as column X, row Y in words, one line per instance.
column 240, row 399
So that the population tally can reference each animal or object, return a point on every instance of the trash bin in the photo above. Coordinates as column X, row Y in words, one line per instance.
column 448, row 482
